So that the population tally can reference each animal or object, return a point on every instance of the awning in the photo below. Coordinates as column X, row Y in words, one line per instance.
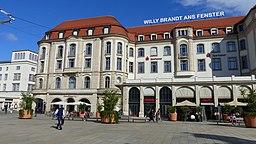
column 186, row 103
column 236, row 103
column 71, row 103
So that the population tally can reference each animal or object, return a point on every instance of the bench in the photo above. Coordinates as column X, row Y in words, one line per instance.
column 138, row 118
column 239, row 120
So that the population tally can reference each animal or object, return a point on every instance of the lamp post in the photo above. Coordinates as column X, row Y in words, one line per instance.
column 11, row 18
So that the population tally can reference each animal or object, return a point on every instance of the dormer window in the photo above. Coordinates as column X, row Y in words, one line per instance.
column 47, row 36
column 229, row 30
column 199, row 33
column 75, row 32
column 141, row 38
column 106, row 30
column 214, row 31
column 166, row 35
column 153, row 36
column 89, row 32
column 183, row 32
column 61, row 34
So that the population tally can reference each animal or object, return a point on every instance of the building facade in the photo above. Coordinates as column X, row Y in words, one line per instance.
column 205, row 61
column 17, row 76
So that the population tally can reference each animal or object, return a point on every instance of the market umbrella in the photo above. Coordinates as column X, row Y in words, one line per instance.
column 186, row 103
column 236, row 103
column 59, row 103
column 78, row 103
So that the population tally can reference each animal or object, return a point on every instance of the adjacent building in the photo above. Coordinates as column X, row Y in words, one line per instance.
column 205, row 62
column 17, row 76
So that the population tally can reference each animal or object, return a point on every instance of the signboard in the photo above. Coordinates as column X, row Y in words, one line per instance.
column 184, row 18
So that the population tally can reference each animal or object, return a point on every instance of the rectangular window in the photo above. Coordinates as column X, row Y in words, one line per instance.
column 4, row 87
column 15, row 87
column 17, row 67
column 59, row 64
column 244, row 62
column 141, row 67
column 153, row 67
column 153, row 51
column 167, row 66
column 0, row 77
column 131, row 67
column 242, row 45
column 199, row 33
column 240, row 28
column 141, row 38
column 5, row 76
column 71, row 63
column 201, row 65
column 107, row 63
column 200, row 48
column 184, row 65
column 31, row 77
column 7, row 68
column 183, row 32
column 216, row 48
column 119, row 64
column 232, row 63
column 231, row 46
column 61, row 34
column 106, row 30
column 0, row 68
column 167, row 51
column 16, row 76
column 30, row 87
column 33, row 69
column 89, row 32
column 167, row 36
column 214, row 31
column 87, row 63
column 216, row 64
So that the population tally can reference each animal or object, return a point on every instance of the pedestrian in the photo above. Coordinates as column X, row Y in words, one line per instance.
column 158, row 115
column 151, row 115
column 36, row 111
column 5, row 108
column 60, row 113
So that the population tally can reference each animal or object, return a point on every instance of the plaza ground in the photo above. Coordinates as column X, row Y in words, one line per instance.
column 38, row 131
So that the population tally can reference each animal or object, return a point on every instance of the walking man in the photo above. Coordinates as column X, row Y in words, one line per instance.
column 5, row 108
column 60, row 115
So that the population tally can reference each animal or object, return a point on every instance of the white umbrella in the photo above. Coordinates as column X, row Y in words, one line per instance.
column 236, row 103
column 59, row 103
column 78, row 103
column 186, row 103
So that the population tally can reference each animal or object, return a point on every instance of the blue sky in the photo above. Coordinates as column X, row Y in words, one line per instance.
column 49, row 13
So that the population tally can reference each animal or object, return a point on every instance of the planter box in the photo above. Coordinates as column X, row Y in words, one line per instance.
column 250, row 121
column 173, row 116
column 26, row 115
column 81, row 114
column 97, row 114
column 108, row 119
column 226, row 117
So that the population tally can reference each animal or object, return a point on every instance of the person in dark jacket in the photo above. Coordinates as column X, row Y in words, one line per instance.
column 60, row 113
column 151, row 115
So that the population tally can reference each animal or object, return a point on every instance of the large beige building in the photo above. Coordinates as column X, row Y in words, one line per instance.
column 204, row 61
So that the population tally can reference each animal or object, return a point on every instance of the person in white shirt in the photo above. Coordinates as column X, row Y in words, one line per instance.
column 60, row 113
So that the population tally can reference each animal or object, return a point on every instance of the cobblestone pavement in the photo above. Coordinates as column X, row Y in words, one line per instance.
column 38, row 131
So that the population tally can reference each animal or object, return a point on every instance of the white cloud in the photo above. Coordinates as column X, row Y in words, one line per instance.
column 234, row 7
column 9, row 36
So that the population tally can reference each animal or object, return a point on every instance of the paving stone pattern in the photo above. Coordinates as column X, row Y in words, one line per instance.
column 38, row 131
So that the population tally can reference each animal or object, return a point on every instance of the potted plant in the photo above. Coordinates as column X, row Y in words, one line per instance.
column 82, row 109
column 226, row 111
column 185, row 110
column 99, row 109
column 250, row 111
column 110, row 100
column 26, row 110
column 172, row 113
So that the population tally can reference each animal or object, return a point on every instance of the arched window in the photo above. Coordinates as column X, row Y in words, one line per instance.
column 119, row 48
column 108, row 48
column 88, row 49
column 72, row 50
column 40, row 83
column 215, row 47
column 200, row 48
column 107, row 82
column 60, row 51
column 58, row 82
column 72, row 83
column 141, row 52
column 87, row 82
column 131, row 52
column 183, row 50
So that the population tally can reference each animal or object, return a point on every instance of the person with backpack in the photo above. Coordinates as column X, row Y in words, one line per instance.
column 60, row 113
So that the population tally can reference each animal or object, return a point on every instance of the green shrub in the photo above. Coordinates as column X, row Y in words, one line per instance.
column 172, row 109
